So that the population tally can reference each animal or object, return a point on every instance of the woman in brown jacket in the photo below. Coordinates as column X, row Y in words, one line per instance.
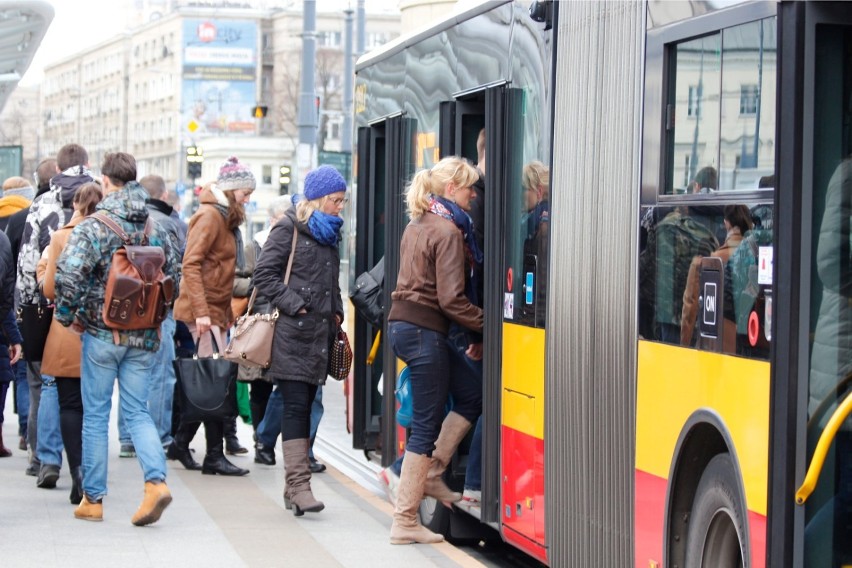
column 209, row 264
column 63, row 348
column 429, row 296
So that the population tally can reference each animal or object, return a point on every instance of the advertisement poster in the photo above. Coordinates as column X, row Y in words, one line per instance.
column 219, row 70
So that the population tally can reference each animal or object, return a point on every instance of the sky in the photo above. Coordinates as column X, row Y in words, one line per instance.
column 79, row 24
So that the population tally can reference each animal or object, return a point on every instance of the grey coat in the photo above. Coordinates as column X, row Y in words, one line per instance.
column 300, row 350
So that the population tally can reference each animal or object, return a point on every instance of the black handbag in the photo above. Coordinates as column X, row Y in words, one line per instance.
column 208, row 387
column 367, row 296
column 35, row 324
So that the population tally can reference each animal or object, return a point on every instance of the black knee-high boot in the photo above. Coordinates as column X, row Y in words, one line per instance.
column 179, row 449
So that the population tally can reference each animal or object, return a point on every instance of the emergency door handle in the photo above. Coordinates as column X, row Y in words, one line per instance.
column 824, row 443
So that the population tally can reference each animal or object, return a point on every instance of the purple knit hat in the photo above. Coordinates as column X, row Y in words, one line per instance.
column 323, row 181
column 234, row 175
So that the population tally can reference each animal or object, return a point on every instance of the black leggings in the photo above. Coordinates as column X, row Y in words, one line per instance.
column 298, row 398
column 259, row 392
column 71, row 418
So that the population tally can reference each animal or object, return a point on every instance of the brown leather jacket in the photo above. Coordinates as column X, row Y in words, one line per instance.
column 430, row 286
column 208, row 266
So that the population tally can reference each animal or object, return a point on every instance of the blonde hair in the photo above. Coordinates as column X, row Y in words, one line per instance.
column 15, row 182
column 305, row 208
column 537, row 175
column 434, row 181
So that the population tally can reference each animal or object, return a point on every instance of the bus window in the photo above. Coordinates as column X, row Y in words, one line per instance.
column 672, row 302
column 721, row 109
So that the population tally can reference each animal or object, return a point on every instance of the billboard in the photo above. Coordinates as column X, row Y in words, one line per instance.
column 219, row 71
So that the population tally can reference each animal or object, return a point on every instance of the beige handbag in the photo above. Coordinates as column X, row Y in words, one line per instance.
column 251, row 343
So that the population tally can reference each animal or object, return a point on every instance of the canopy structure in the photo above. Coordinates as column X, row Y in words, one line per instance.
column 23, row 24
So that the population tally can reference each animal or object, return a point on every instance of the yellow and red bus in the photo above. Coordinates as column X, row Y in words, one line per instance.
column 668, row 330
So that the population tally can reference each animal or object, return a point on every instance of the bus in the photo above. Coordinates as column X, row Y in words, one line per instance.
column 667, row 351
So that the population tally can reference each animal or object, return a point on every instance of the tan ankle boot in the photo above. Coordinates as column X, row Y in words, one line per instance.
column 297, row 472
column 406, row 528
column 89, row 510
column 157, row 498
column 453, row 430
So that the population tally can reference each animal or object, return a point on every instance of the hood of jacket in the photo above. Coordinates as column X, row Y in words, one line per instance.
column 69, row 181
column 12, row 204
column 128, row 203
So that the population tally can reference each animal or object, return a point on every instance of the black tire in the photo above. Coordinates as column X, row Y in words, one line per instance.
column 717, row 536
column 435, row 516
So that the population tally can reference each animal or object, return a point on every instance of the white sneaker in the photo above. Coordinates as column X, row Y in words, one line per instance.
column 472, row 497
column 390, row 483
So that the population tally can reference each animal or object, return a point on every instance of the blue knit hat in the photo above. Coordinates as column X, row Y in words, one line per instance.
column 323, row 181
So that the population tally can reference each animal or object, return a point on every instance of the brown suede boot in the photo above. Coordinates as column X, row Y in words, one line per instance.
column 298, row 478
column 406, row 528
column 157, row 498
column 89, row 510
column 453, row 431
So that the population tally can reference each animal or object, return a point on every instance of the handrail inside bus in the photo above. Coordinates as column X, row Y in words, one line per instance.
column 825, row 440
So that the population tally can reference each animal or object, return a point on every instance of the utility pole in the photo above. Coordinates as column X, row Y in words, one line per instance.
column 348, row 92
column 306, row 152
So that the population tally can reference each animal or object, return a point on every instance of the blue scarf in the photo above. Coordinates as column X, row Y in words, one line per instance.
column 325, row 228
column 449, row 210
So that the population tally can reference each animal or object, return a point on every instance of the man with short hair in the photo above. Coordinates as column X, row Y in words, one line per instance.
column 48, row 212
column 82, row 272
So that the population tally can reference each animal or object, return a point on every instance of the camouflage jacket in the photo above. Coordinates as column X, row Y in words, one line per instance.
column 48, row 212
column 83, row 266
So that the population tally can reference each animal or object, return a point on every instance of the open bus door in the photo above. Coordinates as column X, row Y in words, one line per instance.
column 385, row 164
column 812, row 437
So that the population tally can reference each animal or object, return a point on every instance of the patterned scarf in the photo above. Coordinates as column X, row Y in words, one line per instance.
column 449, row 210
column 325, row 228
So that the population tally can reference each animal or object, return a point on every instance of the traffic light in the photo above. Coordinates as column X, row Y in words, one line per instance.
column 194, row 159
column 284, row 180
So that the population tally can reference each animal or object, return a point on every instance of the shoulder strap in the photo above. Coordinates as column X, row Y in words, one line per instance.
column 115, row 227
column 286, row 274
column 292, row 254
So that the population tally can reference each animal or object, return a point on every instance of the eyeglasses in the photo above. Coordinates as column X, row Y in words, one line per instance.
column 339, row 200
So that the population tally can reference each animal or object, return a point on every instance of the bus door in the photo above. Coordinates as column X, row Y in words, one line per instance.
column 385, row 164
column 815, row 374
column 517, row 217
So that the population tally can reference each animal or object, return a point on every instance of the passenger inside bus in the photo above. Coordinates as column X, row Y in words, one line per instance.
column 535, row 222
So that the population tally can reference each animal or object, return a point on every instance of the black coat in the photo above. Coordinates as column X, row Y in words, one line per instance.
column 300, row 350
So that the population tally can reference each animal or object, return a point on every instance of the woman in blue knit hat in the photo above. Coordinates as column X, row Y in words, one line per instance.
column 310, row 312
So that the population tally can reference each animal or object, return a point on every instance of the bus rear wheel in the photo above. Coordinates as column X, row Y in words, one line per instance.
column 435, row 516
column 717, row 525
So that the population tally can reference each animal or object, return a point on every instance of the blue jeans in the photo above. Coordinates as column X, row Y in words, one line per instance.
column 270, row 427
column 161, row 389
column 473, row 474
column 427, row 355
column 22, row 396
column 49, row 440
column 102, row 362
column 465, row 384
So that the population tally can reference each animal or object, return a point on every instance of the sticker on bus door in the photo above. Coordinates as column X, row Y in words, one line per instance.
column 764, row 266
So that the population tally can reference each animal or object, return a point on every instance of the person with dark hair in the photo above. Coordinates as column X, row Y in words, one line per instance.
column 311, row 311
column 162, row 386
column 108, row 353
column 213, row 245
column 47, row 213
column 738, row 223
column 62, row 348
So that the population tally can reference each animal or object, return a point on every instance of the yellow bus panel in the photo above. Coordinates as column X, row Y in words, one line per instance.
column 523, row 373
column 674, row 382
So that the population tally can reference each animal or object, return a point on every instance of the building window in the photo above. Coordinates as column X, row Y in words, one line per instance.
column 693, row 104
column 748, row 99
column 267, row 173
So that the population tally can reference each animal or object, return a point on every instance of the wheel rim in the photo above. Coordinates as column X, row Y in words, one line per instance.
column 427, row 509
column 722, row 547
